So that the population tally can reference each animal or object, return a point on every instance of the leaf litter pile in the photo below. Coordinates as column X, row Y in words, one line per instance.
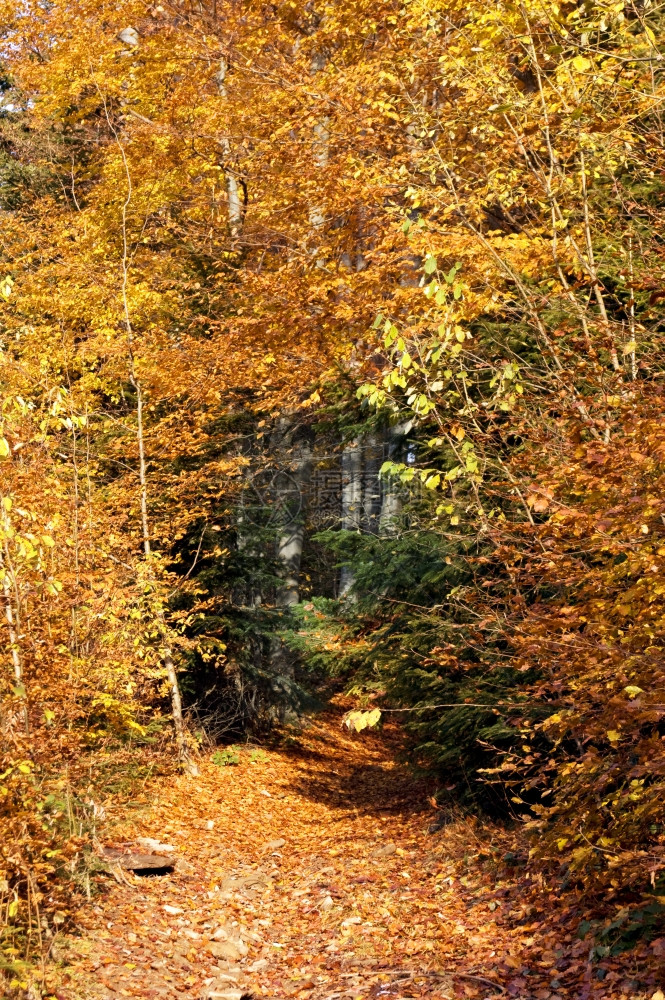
column 314, row 871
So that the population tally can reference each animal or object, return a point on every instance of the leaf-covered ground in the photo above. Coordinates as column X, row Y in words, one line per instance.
column 308, row 871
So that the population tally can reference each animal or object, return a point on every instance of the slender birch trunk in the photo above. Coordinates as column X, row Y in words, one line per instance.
column 166, row 654
column 631, row 313
column 12, row 617
column 320, row 153
column 230, row 176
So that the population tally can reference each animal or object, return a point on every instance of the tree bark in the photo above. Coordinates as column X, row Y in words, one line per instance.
column 391, row 502
column 230, row 176
column 291, row 536
column 321, row 153
column 320, row 147
column 371, row 507
column 15, row 650
column 292, row 481
column 352, row 498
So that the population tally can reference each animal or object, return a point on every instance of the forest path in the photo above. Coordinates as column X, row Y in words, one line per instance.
column 357, row 894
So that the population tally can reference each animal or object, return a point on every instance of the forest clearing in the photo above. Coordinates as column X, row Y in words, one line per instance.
column 332, row 531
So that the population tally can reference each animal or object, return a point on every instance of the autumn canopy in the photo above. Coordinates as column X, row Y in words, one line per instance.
column 330, row 361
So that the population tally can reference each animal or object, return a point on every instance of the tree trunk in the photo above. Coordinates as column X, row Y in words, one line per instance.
column 176, row 701
column 176, row 711
column 292, row 483
column 321, row 153
column 291, row 537
column 230, row 176
column 15, row 650
column 320, row 146
column 167, row 655
column 289, row 554
column 352, row 498
column 371, row 511
column 391, row 501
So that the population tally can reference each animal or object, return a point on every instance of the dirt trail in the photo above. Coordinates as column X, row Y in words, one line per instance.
column 357, row 891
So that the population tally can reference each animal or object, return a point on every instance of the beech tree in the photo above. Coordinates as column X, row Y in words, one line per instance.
column 415, row 245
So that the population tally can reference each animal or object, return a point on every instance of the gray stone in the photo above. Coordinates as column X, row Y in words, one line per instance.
column 385, row 851
column 230, row 950
column 274, row 845
column 129, row 36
